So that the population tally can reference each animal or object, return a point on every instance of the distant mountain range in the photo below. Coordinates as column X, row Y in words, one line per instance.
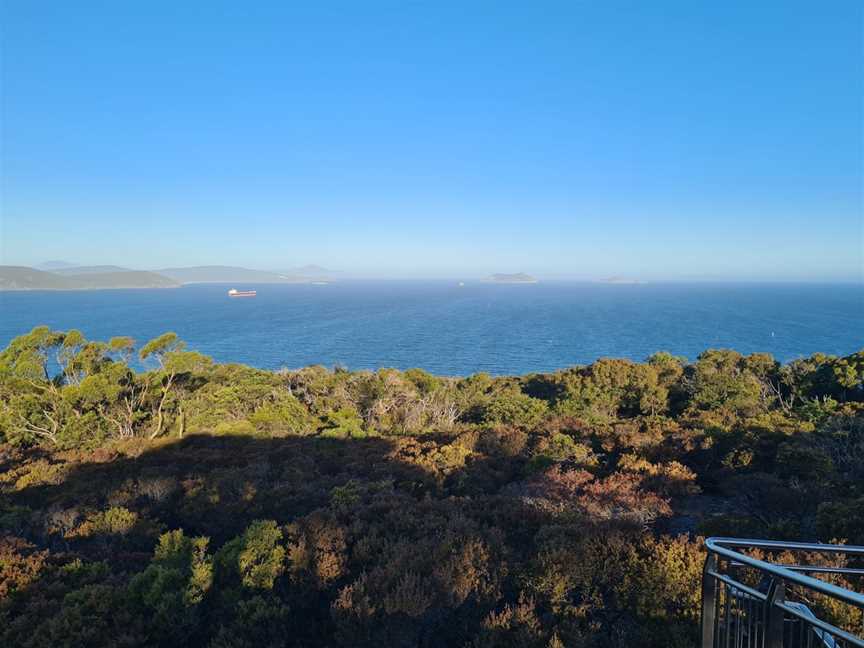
column 82, row 270
column 24, row 278
column 61, row 275
column 227, row 274
column 312, row 270
column 51, row 266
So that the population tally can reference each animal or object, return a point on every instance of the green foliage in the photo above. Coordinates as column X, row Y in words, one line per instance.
column 116, row 520
column 257, row 556
column 258, row 621
column 243, row 427
column 425, row 382
column 722, row 379
column 381, row 508
column 241, row 400
column 849, row 371
column 609, row 389
column 843, row 520
column 515, row 408
column 561, row 447
column 189, row 556
column 27, row 356
column 39, row 472
column 170, row 589
column 123, row 345
column 92, row 615
column 161, row 347
column 282, row 415
column 801, row 462
column 342, row 424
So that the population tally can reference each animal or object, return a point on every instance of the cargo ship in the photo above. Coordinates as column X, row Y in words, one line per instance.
column 241, row 293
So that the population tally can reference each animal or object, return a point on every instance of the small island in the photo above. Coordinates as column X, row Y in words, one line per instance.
column 517, row 278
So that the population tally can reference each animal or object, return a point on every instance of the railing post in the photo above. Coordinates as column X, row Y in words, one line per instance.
column 709, row 598
column 774, row 614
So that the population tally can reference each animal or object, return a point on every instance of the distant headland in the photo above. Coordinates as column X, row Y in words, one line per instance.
column 59, row 275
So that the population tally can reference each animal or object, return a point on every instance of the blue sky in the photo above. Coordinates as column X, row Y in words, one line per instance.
column 659, row 140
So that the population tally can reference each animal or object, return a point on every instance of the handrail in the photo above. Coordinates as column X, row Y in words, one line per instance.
column 735, row 615
column 811, row 619
column 741, row 587
column 812, row 569
column 792, row 546
column 716, row 545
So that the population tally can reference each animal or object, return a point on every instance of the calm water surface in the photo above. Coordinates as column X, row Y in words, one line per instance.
column 454, row 330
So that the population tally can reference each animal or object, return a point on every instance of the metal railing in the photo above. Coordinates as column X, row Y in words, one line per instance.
column 753, row 603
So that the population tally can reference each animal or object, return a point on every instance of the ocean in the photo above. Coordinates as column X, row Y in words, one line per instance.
column 458, row 330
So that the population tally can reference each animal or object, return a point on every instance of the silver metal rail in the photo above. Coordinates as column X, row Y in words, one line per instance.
column 753, row 603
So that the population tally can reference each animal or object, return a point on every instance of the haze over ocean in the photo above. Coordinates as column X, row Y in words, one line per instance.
column 447, row 329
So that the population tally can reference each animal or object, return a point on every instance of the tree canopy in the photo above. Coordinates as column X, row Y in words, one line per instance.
column 181, row 501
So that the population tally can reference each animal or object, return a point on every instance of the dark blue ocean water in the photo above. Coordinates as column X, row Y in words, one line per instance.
column 454, row 330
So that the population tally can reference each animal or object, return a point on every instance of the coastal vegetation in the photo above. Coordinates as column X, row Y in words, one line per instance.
column 152, row 497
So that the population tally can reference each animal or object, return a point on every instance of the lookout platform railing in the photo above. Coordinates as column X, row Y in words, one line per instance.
column 751, row 603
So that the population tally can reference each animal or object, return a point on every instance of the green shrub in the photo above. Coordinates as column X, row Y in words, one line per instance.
column 342, row 424
column 515, row 408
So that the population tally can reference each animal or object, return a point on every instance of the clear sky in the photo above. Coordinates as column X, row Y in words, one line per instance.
column 668, row 139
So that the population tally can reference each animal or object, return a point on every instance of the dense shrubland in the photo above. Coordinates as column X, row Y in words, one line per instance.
column 218, row 505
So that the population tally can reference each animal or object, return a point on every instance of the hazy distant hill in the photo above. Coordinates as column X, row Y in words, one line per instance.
column 228, row 274
column 77, row 277
column 51, row 266
column 86, row 270
column 125, row 279
column 24, row 278
column 518, row 277
column 311, row 270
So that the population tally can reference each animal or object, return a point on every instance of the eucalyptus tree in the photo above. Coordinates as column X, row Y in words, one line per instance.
column 31, row 407
column 174, row 365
